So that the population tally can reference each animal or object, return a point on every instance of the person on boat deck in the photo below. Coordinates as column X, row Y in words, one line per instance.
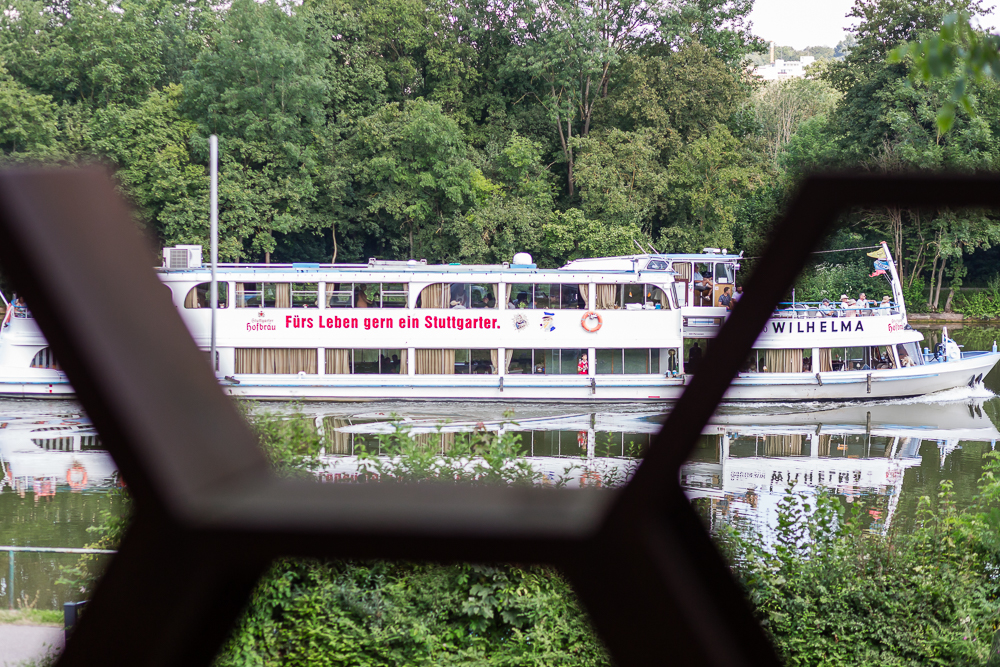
column 826, row 310
column 904, row 359
column 702, row 283
column 738, row 295
column 885, row 303
column 522, row 300
column 582, row 366
column 848, row 306
column 862, row 304
column 360, row 299
column 459, row 302
column 694, row 358
column 726, row 299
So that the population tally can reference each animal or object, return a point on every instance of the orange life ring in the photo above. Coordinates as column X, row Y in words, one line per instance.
column 76, row 481
column 590, row 315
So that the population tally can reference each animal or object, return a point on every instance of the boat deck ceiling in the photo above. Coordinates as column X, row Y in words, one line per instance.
column 415, row 272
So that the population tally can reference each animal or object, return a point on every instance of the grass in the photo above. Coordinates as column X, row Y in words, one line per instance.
column 31, row 617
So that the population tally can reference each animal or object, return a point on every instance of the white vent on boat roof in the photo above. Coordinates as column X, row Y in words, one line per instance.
column 522, row 259
column 182, row 257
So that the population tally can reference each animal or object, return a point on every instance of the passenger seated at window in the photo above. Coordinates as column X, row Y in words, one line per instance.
column 458, row 301
column 904, row 359
column 360, row 298
column 522, row 300
column 725, row 299
column 826, row 309
column 885, row 304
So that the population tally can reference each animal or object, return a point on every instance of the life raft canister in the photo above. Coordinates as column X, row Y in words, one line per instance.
column 588, row 319
column 76, row 477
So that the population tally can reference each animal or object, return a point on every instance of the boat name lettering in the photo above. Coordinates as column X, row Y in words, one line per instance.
column 823, row 326
column 406, row 322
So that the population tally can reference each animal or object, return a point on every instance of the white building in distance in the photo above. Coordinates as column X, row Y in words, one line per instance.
column 785, row 69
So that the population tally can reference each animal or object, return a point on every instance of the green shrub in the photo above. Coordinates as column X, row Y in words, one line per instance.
column 829, row 281
column 982, row 304
column 830, row 593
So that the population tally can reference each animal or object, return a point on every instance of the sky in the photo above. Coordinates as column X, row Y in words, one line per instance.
column 802, row 23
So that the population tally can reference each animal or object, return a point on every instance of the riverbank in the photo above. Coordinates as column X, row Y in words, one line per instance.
column 942, row 318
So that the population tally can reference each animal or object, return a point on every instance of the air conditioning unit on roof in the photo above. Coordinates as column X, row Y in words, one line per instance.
column 182, row 257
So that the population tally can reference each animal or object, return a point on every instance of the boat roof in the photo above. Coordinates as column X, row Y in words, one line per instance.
column 625, row 264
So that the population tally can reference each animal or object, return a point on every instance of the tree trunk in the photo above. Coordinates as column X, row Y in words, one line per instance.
column 267, row 257
column 930, row 291
column 940, row 279
column 411, row 240
column 947, row 302
column 333, row 233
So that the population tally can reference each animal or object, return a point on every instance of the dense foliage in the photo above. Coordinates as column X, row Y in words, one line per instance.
column 466, row 131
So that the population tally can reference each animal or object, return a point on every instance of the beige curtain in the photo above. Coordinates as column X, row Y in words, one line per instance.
column 825, row 360
column 338, row 362
column 283, row 295
column 435, row 296
column 495, row 360
column 240, row 294
column 191, row 300
column 507, row 296
column 783, row 445
column 337, row 442
column 506, row 362
column 607, row 297
column 585, row 293
column 435, row 362
column 783, row 361
column 276, row 361
column 402, row 362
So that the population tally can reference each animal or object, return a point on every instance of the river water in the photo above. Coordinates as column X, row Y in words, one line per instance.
column 57, row 481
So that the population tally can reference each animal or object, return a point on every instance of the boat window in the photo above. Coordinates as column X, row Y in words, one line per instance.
column 472, row 295
column 881, row 357
column 276, row 361
column 199, row 296
column 702, row 283
column 632, row 360
column 475, row 362
column 305, row 295
column 778, row 361
column 435, row 362
column 724, row 273
column 394, row 295
column 656, row 265
column 544, row 362
column 263, row 295
column 45, row 359
column 340, row 295
column 909, row 354
column 547, row 296
column 376, row 362
column 633, row 296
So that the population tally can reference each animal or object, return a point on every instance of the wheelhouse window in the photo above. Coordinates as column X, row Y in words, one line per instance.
column 909, row 354
column 544, row 362
column 547, row 296
column 635, row 361
column 276, row 361
column 366, row 362
column 199, row 296
column 45, row 359
column 634, row 296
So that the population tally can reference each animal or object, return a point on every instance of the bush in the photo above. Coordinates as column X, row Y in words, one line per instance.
column 830, row 593
column 983, row 304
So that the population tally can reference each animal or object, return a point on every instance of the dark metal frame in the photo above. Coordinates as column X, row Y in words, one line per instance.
column 210, row 516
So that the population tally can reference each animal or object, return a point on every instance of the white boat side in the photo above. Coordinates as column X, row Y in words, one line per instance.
column 408, row 330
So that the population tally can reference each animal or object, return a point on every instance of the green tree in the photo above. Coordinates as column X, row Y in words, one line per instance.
column 30, row 128
column 262, row 89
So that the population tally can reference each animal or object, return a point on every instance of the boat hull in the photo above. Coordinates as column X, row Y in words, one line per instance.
column 746, row 387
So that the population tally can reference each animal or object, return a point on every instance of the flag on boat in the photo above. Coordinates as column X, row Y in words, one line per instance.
column 881, row 267
column 878, row 254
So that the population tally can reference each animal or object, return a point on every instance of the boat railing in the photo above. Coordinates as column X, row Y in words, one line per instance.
column 801, row 309
column 22, row 312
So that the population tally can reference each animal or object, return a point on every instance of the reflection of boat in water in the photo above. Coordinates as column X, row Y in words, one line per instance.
column 43, row 455
column 744, row 463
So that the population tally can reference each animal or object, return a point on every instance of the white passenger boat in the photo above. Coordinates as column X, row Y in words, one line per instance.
column 597, row 329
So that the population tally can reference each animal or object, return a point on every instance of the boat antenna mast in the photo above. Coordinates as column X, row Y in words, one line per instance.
column 213, row 170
